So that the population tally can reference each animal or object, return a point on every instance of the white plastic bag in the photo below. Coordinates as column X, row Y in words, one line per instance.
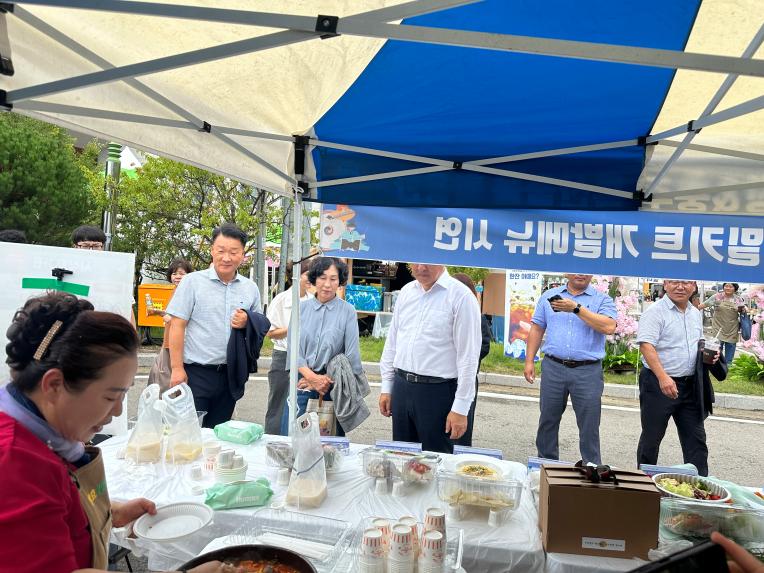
column 307, row 485
column 145, row 443
column 184, row 440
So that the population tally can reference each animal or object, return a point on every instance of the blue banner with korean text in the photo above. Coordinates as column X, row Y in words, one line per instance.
column 668, row 245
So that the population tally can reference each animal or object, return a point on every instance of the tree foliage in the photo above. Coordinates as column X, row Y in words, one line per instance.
column 170, row 209
column 477, row 275
column 44, row 188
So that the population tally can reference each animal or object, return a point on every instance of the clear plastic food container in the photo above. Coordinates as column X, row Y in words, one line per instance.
column 322, row 540
column 279, row 454
column 408, row 466
column 694, row 520
column 497, row 494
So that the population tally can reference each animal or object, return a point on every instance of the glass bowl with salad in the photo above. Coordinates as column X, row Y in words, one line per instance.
column 695, row 488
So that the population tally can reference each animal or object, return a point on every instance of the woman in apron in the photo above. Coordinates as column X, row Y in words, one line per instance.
column 70, row 369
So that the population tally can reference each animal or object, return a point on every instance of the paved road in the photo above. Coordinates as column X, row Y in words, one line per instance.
column 509, row 422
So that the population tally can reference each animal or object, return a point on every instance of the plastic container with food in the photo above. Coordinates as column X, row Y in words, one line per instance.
column 691, row 487
column 697, row 520
column 482, row 487
column 408, row 466
column 279, row 454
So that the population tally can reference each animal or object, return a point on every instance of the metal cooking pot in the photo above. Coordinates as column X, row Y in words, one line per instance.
column 238, row 553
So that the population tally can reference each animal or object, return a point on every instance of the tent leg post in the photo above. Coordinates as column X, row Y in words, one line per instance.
column 294, row 320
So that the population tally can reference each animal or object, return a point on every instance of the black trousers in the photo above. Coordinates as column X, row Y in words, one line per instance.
column 656, row 409
column 211, row 393
column 420, row 412
column 466, row 439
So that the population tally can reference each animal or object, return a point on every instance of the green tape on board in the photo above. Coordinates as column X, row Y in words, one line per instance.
column 54, row 284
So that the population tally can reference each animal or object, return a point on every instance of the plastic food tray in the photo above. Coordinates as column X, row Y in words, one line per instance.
column 322, row 540
column 696, row 520
column 279, row 454
column 712, row 487
column 410, row 467
column 497, row 494
column 454, row 547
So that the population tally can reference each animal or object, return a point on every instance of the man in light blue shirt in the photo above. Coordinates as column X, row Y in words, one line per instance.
column 576, row 318
column 205, row 307
column 669, row 334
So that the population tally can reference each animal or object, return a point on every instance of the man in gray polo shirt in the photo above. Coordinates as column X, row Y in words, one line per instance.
column 204, row 308
column 668, row 336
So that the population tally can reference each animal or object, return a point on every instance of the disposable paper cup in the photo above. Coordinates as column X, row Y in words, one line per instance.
column 394, row 566
column 209, row 464
column 384, row 526
column 237, row 461
column 435, row 519
column 284, row 474
column 196, row 472
column 371, row 565
column 401, row 544
column 211, row 449
column 373, row 544
column 414, row 525
column 398, row 488
column 225, row 459
column 433, row 546
column 496, row 517
column 454, row 511
column 380, row 486
column 425, row 565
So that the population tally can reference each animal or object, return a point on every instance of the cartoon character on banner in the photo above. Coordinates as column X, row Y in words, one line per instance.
column 339, row 233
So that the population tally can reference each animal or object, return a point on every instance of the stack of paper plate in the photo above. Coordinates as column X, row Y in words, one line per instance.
column 174, row 521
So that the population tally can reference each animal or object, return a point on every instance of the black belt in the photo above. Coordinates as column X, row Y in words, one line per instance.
column 571, row 363
column 683, row 379
column 216, row 367
column 419, row 379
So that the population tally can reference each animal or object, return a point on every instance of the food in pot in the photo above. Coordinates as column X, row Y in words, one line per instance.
column 263, row 566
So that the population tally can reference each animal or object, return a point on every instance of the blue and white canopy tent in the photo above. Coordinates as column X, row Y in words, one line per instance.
column 548, row 111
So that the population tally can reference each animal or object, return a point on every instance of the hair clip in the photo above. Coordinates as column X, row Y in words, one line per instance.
column 43, row 348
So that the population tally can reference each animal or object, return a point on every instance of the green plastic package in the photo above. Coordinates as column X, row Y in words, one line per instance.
column 239, row 494
column 239, row 432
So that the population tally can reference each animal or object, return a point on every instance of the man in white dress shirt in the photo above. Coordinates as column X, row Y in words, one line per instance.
column 431, row 359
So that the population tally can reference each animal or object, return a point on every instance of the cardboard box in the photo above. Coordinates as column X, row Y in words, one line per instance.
column 604, row 520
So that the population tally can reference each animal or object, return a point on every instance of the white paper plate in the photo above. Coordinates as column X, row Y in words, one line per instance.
column 457, row 462
column 174, row 521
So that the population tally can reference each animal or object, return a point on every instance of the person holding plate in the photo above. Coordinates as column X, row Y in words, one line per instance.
column 70, row 368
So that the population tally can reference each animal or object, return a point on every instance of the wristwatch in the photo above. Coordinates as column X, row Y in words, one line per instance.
column 577, row 309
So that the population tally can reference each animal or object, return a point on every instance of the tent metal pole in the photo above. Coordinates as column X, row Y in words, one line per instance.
column 744, row 108
column 710, row 190
column 715, row 101
column 251, row 133
column 716, row 150
column 173, row 62
column 294, row 319
column 380, row 153
column 672, row 59
column 554, row 152
column 550, row 181
column 410, row 9
column 379, row 176
column 50, row 107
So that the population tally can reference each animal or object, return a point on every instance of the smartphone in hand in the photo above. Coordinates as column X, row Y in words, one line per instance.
column 553, row 298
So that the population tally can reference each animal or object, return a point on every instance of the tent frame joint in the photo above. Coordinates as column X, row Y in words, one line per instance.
column 6, row 7
column 642, row 141
column 457, row 165
column 206, row 127
column 303, row 188
column 327, row 26
column 639, row 196
column 691, row 127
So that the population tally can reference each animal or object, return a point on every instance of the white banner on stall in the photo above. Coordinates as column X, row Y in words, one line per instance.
column 522, row 293
column 104, row 278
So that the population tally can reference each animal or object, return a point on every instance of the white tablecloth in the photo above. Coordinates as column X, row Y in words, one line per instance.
column 514, row 546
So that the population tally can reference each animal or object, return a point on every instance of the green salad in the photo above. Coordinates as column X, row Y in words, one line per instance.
column 697, row 490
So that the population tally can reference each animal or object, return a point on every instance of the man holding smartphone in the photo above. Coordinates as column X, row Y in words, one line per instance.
column 576, row 318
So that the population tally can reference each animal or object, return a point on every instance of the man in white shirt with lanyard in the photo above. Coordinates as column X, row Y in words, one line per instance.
column 430, row 360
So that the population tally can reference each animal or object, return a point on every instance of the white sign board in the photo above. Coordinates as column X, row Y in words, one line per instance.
column 104, row 278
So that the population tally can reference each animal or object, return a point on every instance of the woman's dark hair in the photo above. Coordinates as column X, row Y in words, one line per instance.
column 231, row 231
column 304, row 268
column 87, row 342
column 734, row 285
column 466, row 281
column 321, row 264
column 178, row 264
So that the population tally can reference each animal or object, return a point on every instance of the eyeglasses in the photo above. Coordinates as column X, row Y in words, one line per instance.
column 682, row 283
column 89, row 245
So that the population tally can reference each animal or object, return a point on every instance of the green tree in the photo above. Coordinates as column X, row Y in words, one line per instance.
column 477, row 275
column 170, row 209
column 44, row 189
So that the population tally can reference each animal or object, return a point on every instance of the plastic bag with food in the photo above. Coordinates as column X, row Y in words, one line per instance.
column 307, row 485
column 184, row 440
column 145, row 443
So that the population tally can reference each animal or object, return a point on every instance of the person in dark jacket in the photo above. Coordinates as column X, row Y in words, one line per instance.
column 485, row 348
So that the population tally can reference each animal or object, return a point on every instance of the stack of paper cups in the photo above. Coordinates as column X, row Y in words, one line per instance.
column 237, row 461
column 431, row 560
column 196, row 472
column 372, row 558
column 225, row 459
column 284, row 475
column 400, row 558
column 435, row 520
column 412, row 523
column 384, row 526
